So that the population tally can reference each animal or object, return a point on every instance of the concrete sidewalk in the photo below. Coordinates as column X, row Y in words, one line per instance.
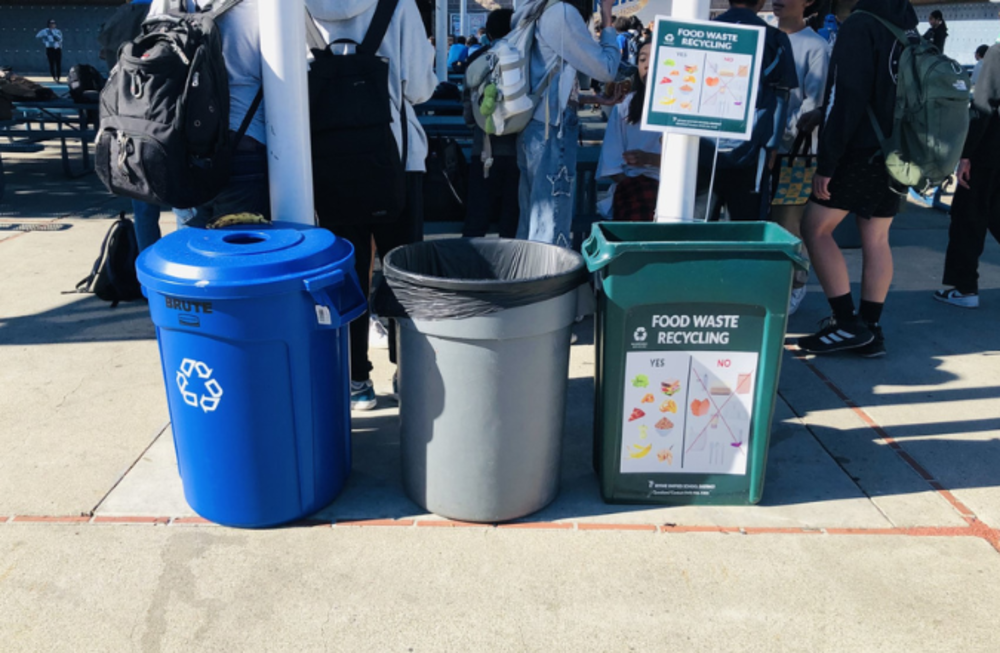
column 876, row 532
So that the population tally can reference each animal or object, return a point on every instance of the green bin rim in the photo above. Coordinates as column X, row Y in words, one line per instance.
column 600, row 250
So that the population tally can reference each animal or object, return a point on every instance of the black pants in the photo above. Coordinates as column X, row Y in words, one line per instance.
column 974, row 211
column 736, row 189
column 408, row 228
column 55, row 62
column 494, row 198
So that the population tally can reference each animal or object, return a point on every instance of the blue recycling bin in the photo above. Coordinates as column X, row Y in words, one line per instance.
column 253, row 335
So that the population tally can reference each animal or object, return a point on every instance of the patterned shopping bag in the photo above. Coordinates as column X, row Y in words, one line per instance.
column 793, row 179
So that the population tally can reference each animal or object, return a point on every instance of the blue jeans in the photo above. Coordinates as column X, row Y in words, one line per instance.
column 548, row 172
column 147, row 223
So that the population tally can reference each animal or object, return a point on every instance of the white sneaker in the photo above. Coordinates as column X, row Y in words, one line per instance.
column 378, row 335
column 955, row 298
column 798, row 294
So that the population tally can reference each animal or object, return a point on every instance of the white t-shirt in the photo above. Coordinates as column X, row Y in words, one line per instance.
column 52, row 38
column 620, row 137
column 811, row 53
column 240, row 31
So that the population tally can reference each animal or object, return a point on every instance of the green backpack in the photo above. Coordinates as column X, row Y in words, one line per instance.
column 931, row 118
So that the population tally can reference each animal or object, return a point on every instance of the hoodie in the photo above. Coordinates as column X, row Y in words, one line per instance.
column 983, row 141
column 563, row 43
column 410, row 54
column 863, row 71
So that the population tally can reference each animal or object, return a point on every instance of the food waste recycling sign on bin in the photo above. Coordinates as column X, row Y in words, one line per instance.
column 704, row 78
column 690, row 376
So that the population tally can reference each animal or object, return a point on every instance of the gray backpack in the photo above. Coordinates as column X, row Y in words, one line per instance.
column 931, row 118
column 503, row 101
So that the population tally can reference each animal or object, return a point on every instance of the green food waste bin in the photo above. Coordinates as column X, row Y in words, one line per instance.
column 689, row 331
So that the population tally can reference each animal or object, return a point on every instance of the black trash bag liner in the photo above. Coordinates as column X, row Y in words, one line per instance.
column 471, row 277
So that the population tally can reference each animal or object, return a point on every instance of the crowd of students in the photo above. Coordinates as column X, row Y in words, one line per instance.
column 810, row 92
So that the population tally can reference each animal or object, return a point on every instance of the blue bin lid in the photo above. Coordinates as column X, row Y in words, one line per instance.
column 240, row 262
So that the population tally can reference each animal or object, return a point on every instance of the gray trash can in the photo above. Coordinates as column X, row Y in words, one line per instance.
column 484, row 344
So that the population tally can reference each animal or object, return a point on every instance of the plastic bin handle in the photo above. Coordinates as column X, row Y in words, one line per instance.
column 320, row 288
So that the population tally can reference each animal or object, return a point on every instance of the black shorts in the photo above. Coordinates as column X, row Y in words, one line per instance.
column 861, row 185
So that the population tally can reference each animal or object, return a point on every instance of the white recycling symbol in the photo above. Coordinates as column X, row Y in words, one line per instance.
column 640, row 334
column 207, row 402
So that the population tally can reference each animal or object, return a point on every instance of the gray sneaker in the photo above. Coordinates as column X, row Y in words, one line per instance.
column 955, row 298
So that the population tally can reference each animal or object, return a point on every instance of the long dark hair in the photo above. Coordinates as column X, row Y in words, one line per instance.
column 639, row 95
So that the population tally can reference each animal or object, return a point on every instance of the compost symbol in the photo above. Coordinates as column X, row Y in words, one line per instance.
column 207, row 402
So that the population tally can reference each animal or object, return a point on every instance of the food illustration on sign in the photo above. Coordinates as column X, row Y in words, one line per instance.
column 702, row 421
column 636, row 451
column 699, row 408
column 719, row 389
column 664, row 426
column 640, row 381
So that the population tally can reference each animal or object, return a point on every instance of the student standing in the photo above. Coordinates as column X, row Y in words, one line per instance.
column 975, row 210
column 547, row 148
column 811, row 54
column 742, row 180
column 411, row 81
column 491, row 197
column 247, row 190
column 938, row 32
column 52, row 38
column 851, row 177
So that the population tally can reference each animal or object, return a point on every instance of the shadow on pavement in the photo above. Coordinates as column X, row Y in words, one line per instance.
column 87, row 319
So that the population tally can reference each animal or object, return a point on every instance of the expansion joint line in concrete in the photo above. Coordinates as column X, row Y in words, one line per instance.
column 976, row 527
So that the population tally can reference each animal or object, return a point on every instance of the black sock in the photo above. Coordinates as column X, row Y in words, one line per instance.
column 871, row 312
column 843, row 309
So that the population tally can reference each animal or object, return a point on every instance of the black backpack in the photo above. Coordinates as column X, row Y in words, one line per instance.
column 164, row 133
column 85, row 83
column 446, row 183
column 358, row 174
column 113, row 276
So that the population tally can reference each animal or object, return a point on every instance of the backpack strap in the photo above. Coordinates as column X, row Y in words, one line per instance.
column 379, row 26
column 248, row 118
column 85, row 284
column 896, row 31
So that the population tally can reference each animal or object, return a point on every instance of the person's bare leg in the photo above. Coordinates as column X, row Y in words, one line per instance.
column 876, row 268
column 818, row 224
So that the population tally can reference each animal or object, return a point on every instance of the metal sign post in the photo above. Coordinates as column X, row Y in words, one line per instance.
column 289, row 155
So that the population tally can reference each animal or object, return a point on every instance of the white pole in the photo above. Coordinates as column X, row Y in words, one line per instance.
column 462, row 30
column 679, row 163
column 289, row 157
column 441, row 38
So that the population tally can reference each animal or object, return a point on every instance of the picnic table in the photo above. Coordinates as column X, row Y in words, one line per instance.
column 445, row 127
column 34, row 123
